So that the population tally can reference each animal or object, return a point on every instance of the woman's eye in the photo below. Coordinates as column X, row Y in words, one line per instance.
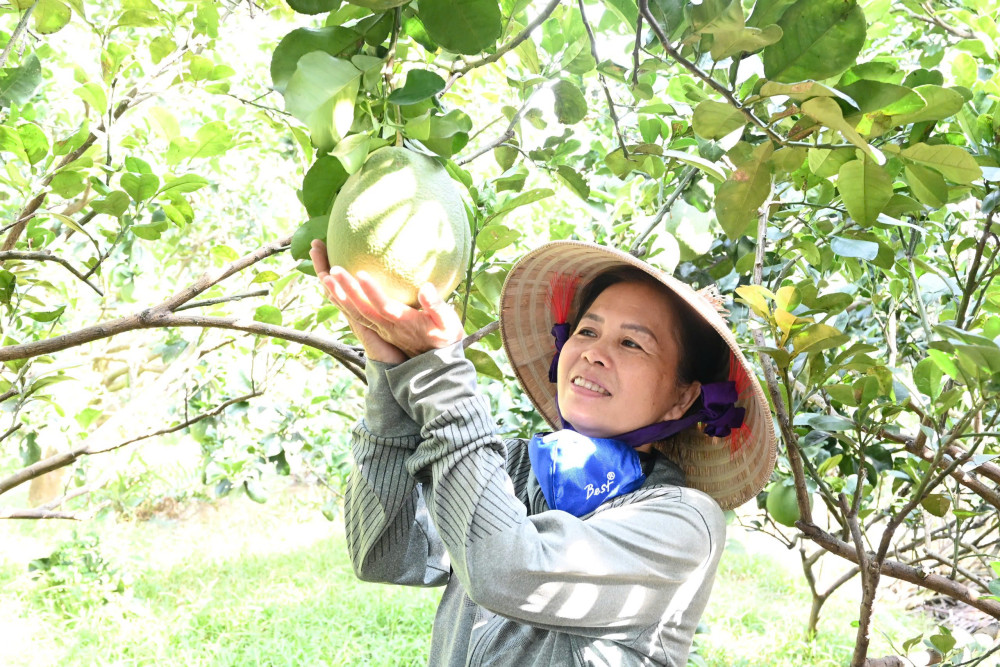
column 632, row 344
column 586, row 332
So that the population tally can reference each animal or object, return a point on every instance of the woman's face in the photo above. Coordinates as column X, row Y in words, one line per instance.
column 618, row 370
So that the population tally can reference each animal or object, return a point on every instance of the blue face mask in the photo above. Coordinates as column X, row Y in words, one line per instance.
column 578, row 473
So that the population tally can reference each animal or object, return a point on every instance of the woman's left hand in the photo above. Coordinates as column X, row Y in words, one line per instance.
column 412, row 331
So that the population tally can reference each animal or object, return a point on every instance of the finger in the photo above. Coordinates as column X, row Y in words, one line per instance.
column 431, row 303
column 320, row 260
column 378, row 298
column 354, row 296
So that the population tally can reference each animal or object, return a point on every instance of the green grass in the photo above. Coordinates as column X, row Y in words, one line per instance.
column 247, row 584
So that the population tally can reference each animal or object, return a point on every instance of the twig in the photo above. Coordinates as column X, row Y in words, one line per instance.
column 689, row 173
column 221, row 299
column 503, row 138
column 600, row 77
column 41, row 514
column 506, row 48
column 704, row 76
column 63, row 459
column 16, row 35
column 177, row 427
column 475, row 337
column 13, row 429
column 46, row 256
column 635, row 50
column 935, row 21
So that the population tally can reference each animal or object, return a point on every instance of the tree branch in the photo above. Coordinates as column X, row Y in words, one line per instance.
column 22, row 26
column 935, row 21
column 903, row 572
column 689, row 173
column 46, row 256
column 63, row 459
column 41, row 514
column 506, row 48
column 600, row 77
column 221, row 299
column 704, row 76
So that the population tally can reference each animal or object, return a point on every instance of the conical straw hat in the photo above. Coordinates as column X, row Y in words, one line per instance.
column 710, row 464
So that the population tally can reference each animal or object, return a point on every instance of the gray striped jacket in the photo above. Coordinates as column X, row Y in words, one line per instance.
column 437, row 498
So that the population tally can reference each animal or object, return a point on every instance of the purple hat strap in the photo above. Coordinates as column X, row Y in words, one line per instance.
column 561, row 333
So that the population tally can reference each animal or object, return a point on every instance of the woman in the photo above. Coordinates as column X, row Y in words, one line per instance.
column 596, row 544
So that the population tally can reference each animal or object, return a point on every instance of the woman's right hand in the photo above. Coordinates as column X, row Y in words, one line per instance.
column 375, row 346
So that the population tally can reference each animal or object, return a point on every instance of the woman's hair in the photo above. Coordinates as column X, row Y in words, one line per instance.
column 702, row 354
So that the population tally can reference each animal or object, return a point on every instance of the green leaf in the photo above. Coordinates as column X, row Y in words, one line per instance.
column 314, row 228
column 855, row 248
column 67, row 184
column 756, row 297
column 715, row 16
column 865, row 189
column 182, row 184
column 570, row 104
column 626, row 10
column 927, row 185
column 801, row 91
column 140, row 187
column 352, row 152
column 523, row 199
column 51, row 16
column 937, row 504
column 10, row 142
column 18, row 84
column 212, row 139
column 268, row 315
column 743, row 192
column 420, row 85
column 826, row 162
column 93, row 95
column 882, row 96
column 496, row 237
column 34, row 141
column 467, row 27
column 821, row 38
column 484, row 364
column 573, row 180
column 939, row 103
column 48, row 315
column 223, row 254
column 745, row 40
column 265, row 277
column 336, row 41
column 707, row 166
column 313, row 6
column 714, row 120
column 321, row 94
column 115, row 203
column 927, row 377
column 817, row 337
column 150, row 231
column 321, row 184
column 829, row 423
column 952, row 162
column 827, row 112
column 945, row 363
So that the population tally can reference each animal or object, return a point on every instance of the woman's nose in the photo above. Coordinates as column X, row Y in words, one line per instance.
column 595, row 355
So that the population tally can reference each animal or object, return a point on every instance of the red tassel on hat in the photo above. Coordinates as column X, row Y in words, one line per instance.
column 562, row 288
column 738, row 375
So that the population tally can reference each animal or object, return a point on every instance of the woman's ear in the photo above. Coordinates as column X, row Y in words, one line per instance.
column 685, row 398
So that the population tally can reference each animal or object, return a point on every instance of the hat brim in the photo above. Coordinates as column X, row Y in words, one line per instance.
column 730, row 477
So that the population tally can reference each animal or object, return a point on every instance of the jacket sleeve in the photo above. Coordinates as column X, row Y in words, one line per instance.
column 618, row 572
column 389, row 535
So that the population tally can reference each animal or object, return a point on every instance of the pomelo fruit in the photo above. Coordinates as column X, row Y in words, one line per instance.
column 401, row 218
column 782, row 505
